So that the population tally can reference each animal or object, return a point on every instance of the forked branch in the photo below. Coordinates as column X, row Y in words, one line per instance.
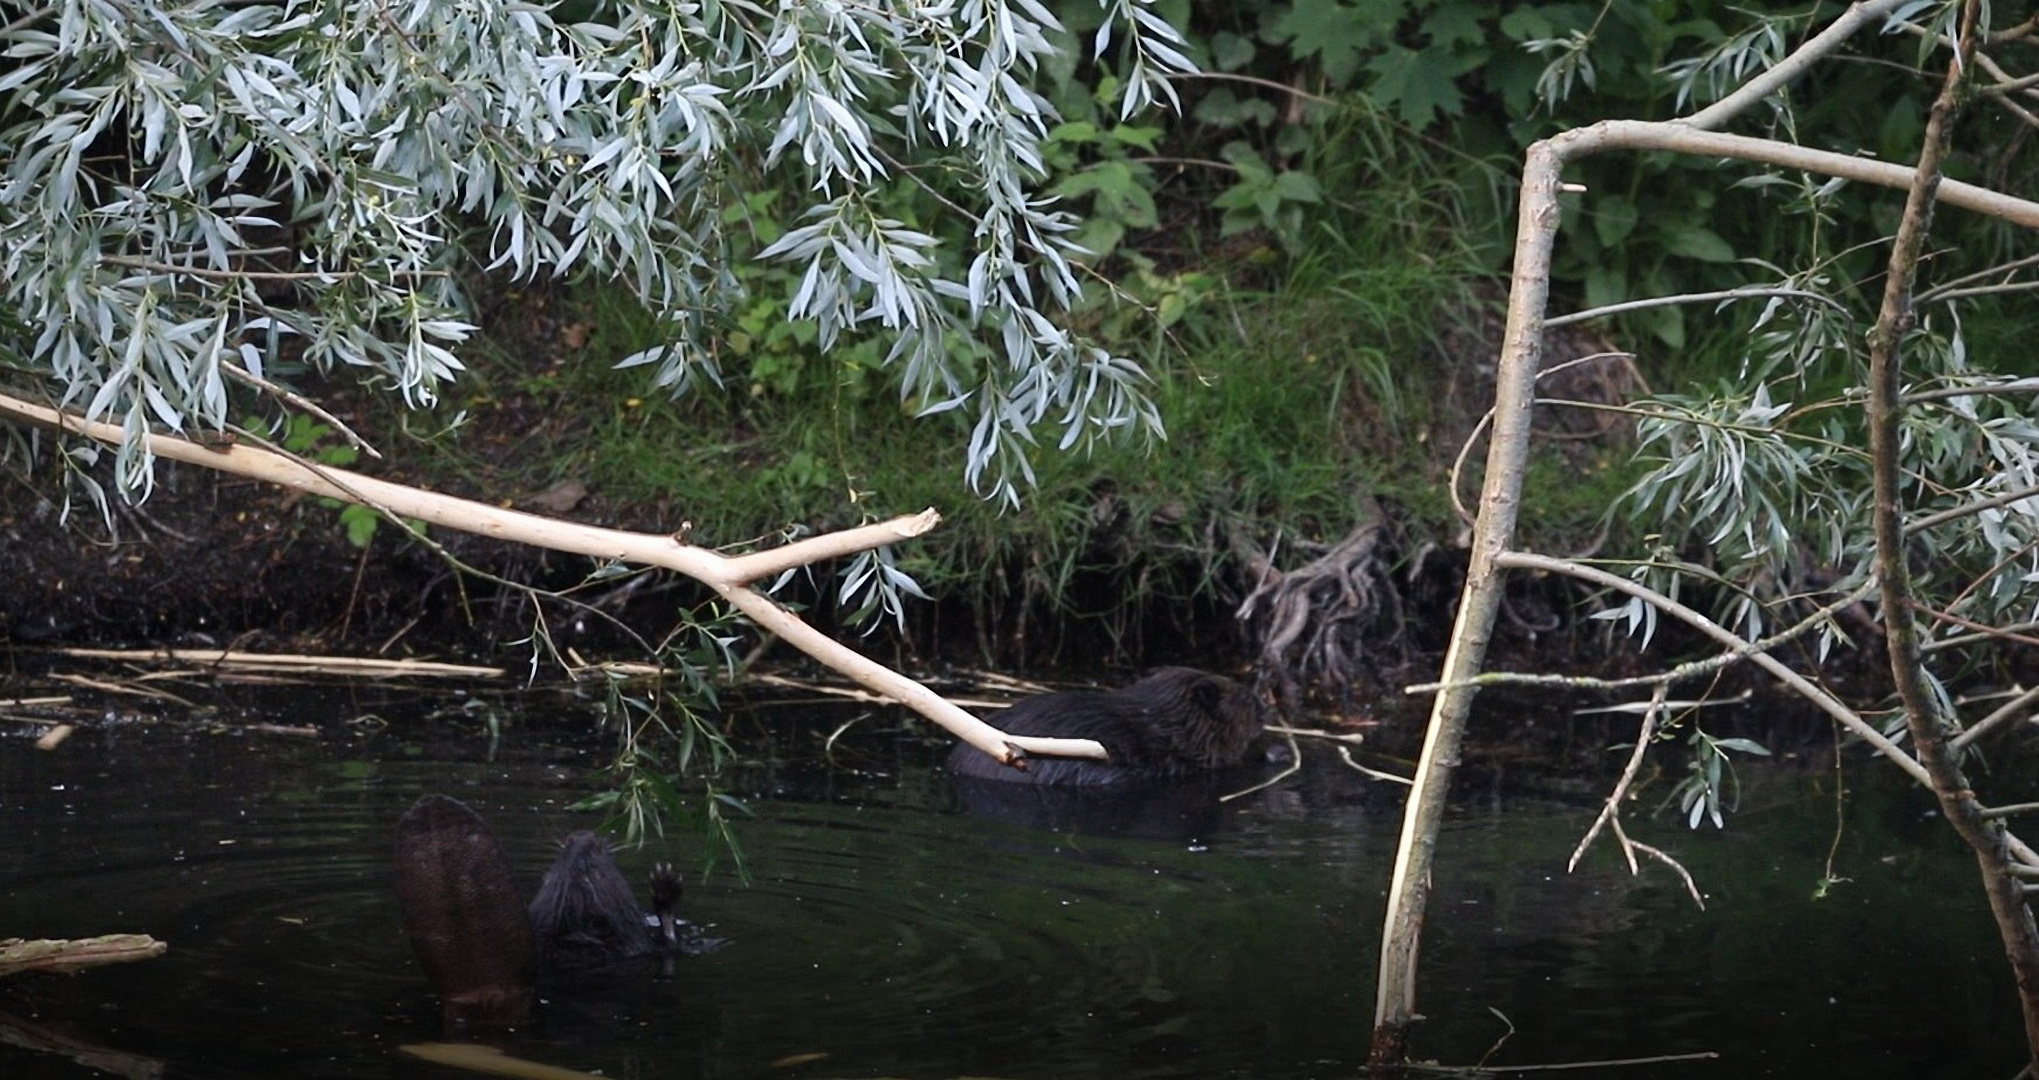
column 730, row 577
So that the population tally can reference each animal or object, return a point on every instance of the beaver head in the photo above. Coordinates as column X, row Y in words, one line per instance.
column 1208, row 720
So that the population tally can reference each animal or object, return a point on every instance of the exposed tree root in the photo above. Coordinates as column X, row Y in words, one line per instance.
column 1317, row 623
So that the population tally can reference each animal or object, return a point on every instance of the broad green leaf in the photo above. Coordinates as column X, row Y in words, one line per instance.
column 1230, row 52
column 1696, row 242
column 1337, row 34
column 1613, row 219
column 1420, row 85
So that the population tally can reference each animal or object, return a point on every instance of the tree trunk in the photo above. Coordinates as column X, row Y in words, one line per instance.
column 1493, row 532
column 1930, row 727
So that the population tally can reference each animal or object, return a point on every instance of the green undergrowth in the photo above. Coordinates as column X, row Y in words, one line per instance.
column 1309, row 378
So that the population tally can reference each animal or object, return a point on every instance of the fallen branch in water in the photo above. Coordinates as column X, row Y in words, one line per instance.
column 18, row 955
column 1602, row 1063
column 490, row 1061
column 235, row 660
column 1345, row 755
column 55, row 737
column 730, row 577
column 1353, row 737
column 128, row 689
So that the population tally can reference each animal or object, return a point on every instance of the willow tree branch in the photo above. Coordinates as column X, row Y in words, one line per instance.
column 2010, row 710
column 1752, row 93
column 1955, row 513
column 1611, row 808
column 729, row 577
column 1691, row 669
column 1927, row 718
column 1999, row 270
column 1685, row 139
column 1605, row 310
column 1537, row 218
column 1804, row 687
column 1941, row 393
column 298, row 401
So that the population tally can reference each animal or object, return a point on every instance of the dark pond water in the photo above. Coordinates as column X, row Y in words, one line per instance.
column 896, row 933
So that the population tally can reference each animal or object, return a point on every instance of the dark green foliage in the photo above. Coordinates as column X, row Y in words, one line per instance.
column 1486, row 79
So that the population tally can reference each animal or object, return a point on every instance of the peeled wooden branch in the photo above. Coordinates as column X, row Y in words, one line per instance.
column 18, row 956
column 730, row 577
column 490, row 1061
column 236, row 660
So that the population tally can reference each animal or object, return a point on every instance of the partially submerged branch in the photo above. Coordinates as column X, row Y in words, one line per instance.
column 731, row 577
column 1611, row 808
column 18, row 956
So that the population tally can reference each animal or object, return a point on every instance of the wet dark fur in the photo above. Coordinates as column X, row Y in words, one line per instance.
column 585, row 914
column 1173, row 723
column 482, row 949
column 465, row 919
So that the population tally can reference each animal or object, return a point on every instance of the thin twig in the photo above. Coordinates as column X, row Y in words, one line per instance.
column 828, row 744
column 1688, row 670
column 1667, row 860
column 1939, row 393
column 2001, row 269
column 1458, row 464
column 1965, row 509
column 1657, row 703
column 247, row 661
column 90, row 683
column 1253, row 80
column 28, row 20
column 1990, row 290
column 1688, row 298
column 1747, row 95
column 2017, row 706
column 1805, row 688
column 1604, row 1063
column 1294, row 766
column 1472, row 438
column 1611, row 808
column 1988, row 631
column 1352, row 737
column 1840, row 815
column 299, row 401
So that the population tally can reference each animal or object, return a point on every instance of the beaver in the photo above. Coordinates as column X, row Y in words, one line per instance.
column 585, row 916
column 483, row 950
column 1174, row 723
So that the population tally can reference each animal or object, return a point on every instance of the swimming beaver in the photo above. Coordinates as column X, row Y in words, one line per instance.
column 585, row 915
column 482, row 949
column 1175, row 722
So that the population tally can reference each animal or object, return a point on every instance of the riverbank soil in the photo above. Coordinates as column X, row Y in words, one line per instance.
column 1149, row 569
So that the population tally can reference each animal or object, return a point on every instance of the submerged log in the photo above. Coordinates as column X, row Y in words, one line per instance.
column 54, row 954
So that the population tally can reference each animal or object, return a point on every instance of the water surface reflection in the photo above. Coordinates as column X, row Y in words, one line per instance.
column 897, row 934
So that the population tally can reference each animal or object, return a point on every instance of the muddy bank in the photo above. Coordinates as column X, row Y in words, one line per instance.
column 1351, row 596
column 211, row 559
